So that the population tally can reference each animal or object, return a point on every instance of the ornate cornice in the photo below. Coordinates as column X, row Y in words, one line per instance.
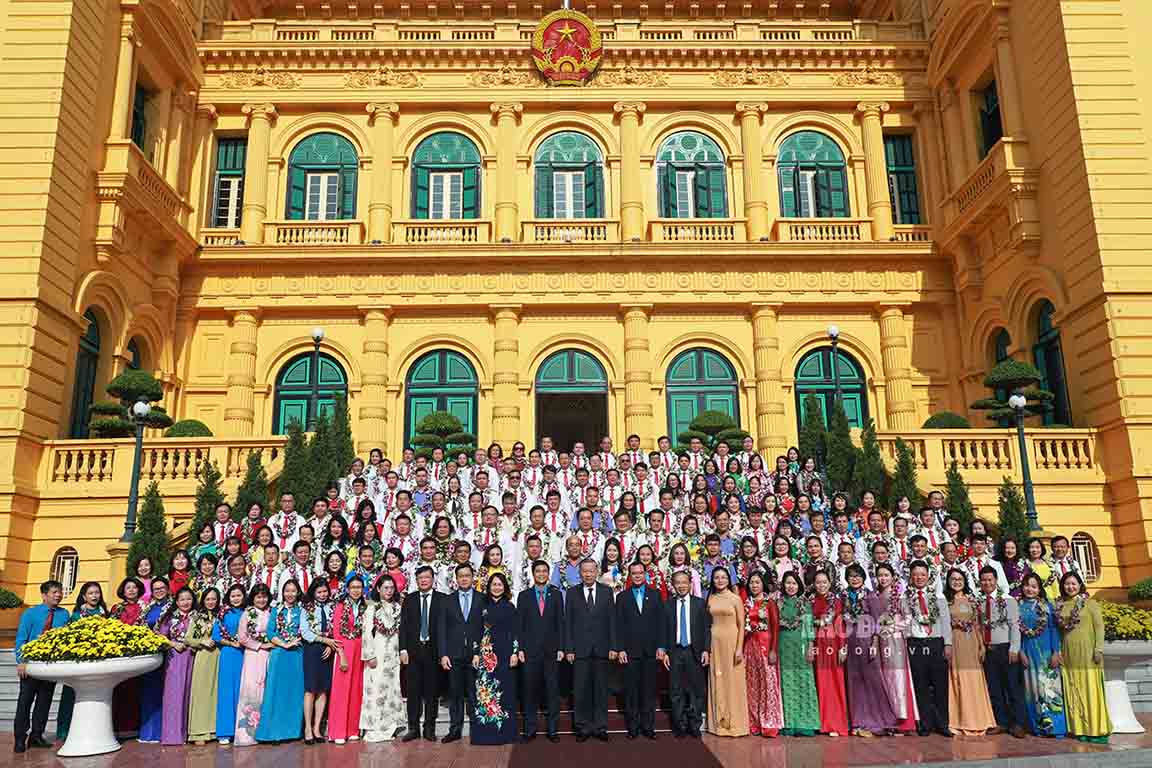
column 629, row 75
column 506, row 77
column 869, row 76
column 381, row 77
column 750, row 76
column 260, row 77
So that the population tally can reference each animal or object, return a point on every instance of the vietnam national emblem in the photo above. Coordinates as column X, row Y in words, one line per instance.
column 566, row 47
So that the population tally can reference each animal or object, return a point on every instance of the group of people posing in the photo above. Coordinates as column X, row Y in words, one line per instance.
column 760, row 603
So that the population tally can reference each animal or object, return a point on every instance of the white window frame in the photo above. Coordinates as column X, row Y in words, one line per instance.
column 227, row 215
column 569, row 195
column 66, row 568
column 327, row 202
column 448, row 186
column 685, row 194
column 806, row 193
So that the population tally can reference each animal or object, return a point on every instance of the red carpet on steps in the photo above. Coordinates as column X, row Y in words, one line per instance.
column 620, row 752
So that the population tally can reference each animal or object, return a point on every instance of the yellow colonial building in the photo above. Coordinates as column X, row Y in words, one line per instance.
column 666, row 218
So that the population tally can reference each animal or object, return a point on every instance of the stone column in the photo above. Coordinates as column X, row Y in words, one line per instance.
column 772, row 440
column 201, row 155
column 125, row 80
column 755, row 201
column 637, row 373
column 506, row 374
column 507, row 209
column 897, row 360
column 927, row 159
column 260, row 117
column 177, row 117
column 876, row 169
column 1007, row 89
column 373, row 426
column 631, row 190
column 240, row 412
column 383, row 119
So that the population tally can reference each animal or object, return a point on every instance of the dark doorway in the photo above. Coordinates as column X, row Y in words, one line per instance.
column 571, row 416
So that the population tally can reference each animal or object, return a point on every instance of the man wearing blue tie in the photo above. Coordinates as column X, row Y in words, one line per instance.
column 640, row 628
column 689, row 625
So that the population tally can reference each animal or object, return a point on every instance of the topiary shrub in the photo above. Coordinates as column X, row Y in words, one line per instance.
column 713, row 428
column 188, row 428
column 946, row 420
column 131, row 385
column 1141, row 590
column 9, row 599
column 441, row 429
column 1008, row 377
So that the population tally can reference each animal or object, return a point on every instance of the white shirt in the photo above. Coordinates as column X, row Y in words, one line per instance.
column 973, row 565
column 942, row 627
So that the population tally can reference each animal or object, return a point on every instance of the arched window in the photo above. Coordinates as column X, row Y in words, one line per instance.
column 569, row 177
column 65, row 565
column 322, row 179
column 700, row 380
column 446, row 178
column 441, row 381
column 134, row 357
column 813, row 177
column 293, row 401
column 692, row 179
column 1050, row 361
column 1087, row 555
column 571, row 398
column 84, row 386
column 814, row 376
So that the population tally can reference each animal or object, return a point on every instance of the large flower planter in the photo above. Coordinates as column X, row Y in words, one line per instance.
column 93, row 681
column 1119, row 656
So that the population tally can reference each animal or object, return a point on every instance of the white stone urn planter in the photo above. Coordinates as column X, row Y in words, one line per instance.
column 93, row 681
column 1119, row 656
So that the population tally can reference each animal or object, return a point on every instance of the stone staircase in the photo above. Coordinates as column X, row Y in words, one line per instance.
column 10, row 692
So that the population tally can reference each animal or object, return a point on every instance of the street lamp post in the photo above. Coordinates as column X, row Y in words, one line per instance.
column 1019, row 404
column 834, row 337
column 317, row 337
column 139, row 412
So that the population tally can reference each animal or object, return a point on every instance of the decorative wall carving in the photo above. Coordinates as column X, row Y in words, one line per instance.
column 750, row 76
column 260, row 77
column 869, row 76
column 506, row 77
column 629, row 75
column 381, row 77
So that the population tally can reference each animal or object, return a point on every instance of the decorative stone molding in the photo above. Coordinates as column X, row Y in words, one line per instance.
column 750, row 76
column 629, row 75
column 260, row 77
column 869, row 76
column 380, row 77
column 506, row 77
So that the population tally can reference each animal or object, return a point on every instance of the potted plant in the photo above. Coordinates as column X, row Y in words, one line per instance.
column 1127, row 644
column 91, row 656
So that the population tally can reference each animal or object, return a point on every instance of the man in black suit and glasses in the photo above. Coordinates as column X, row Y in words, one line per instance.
column 419, row 628
column 589, row 640
column 640, row 627
column 461, row 627
column 688, row 627
column 541, row 610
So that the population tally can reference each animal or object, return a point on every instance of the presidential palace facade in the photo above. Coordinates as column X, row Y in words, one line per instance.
column 578, row 222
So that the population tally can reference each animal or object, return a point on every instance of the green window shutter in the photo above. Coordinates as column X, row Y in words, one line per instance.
column 545, row 207
column 718, row 187
column 296, row 194
column 470, row 208
column 230, row 155
column 593, row 191
column 420, row 192
column 667, row 191
column 838, row 192
column 823, row 194
column 702, row 192
column 347, row 193
column 787, row 175
column 710, row 192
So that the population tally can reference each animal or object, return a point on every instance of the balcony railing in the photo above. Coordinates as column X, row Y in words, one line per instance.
column 571, row 231
column 823, row 230
column 913, row 233
column 125, row 166
column 697, row 231
column 429, row 232
column 217, row 236
column 303, row 233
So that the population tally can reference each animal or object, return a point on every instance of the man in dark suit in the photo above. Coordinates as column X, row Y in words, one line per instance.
column 419, row 628
column 640, row 627
column 461, row 626
column 541, row 609
column 589, row 640
column 688, row 627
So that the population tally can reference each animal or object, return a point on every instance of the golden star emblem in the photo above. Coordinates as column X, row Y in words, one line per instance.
column 566, row 32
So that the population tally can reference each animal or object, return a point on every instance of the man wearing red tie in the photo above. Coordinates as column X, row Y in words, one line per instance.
column 299, row 568
column 634, row 454
column 548, row 454
column 268, row 573
column 929, row 651
column 1062, row 561
column 999, row 616
column 607, row 458
column 667, row 455
column 978, row 560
